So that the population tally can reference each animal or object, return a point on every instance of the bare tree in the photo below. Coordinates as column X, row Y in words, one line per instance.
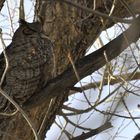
column 73, row 26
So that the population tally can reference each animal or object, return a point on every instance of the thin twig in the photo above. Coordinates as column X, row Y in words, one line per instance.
column 6, row 59
column 82, row 111
column 63, row 130
column 9, row 114
column 10, row 18
column 130, row 114
column 100, row 102
column 112, row 8
column 117, row 79
column 78, row 77
column 72, row 123
column 93, row 132
column 45, row 117
column 114, row 114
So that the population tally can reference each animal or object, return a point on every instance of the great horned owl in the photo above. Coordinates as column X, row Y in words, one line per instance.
column 31, row 63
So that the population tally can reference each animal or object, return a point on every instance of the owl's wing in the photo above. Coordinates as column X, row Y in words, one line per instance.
column 25, row 75
column 31, row 64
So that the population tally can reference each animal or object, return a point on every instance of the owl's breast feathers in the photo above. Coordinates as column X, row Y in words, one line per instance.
column 27, row 71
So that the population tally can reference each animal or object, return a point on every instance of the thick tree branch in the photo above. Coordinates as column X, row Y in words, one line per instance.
column 88, row 65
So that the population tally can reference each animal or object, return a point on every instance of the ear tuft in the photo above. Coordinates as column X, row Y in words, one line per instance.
column 22, row 22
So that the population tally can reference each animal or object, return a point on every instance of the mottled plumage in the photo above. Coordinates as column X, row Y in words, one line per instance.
column 31, row 63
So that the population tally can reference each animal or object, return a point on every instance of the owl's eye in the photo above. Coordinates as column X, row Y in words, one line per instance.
column 28, row 31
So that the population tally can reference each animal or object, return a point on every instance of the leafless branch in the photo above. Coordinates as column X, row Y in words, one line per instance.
column 63, row 130
column 130, row 114
column 115, row 80
column 98, row 103
column 78, row 77
column 72, row 123
column 93, row 132
column 9, row 114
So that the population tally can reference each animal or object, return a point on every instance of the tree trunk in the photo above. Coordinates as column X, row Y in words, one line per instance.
column 73, row 31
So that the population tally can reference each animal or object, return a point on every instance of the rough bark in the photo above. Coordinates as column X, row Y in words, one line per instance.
column 73, row 31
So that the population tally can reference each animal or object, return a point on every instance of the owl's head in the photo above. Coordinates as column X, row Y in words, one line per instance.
column 27, row 29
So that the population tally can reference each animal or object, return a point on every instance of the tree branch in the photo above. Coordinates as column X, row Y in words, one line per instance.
column 117, row 79
column 93, row 132
column 87, row 65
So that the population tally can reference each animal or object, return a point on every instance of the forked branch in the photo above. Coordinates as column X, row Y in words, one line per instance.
column 87, row 65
